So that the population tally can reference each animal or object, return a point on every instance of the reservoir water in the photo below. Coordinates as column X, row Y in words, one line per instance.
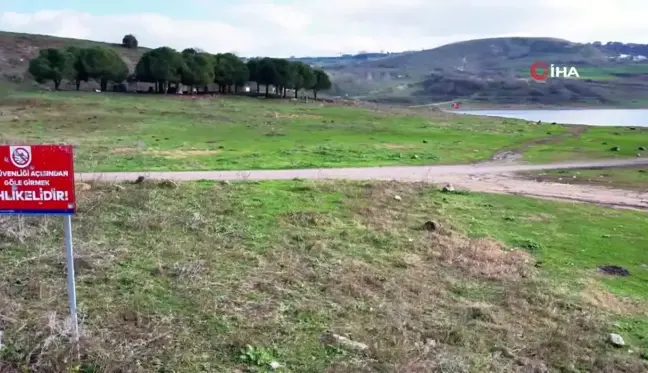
column 591, row 117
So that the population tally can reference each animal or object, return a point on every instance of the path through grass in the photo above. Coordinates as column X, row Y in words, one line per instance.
column 635, row 178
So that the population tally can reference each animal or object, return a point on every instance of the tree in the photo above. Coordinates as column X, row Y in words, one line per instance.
column 78, row 71
column 103, row 65
column 51, row 64
column 229, row 70
column 130, row 41
column 253, row 68
column 241, row 74
column 161, row 66
column 268, row 74
column 224, row 67
column 198, row 69
column 303, row 76
column 321, row 83
column 284, row 71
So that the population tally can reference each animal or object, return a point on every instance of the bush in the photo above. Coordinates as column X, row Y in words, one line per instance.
column 129, row 41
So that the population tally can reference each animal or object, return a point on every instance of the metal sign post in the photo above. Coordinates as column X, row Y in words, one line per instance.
column 71, row 285
column 39, row 180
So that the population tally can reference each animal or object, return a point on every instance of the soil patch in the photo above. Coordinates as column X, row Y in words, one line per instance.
column 292, row 116
column 398, row 146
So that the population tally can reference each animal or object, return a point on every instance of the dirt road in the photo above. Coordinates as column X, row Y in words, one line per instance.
column 491, row 177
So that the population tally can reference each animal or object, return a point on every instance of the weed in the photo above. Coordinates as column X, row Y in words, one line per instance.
column 529, row 245
column 259, row 357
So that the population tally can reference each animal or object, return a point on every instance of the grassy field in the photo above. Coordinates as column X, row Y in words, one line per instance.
column 590, row 143
column 211, row 277
column 627, row 178
column 116, row 132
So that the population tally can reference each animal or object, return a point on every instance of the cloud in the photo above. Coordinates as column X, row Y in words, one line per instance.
column 325, row 27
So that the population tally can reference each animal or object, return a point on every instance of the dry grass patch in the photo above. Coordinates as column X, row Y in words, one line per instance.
column 181, row 153
column 174, row 154
column 482, row 257
column 595, row 295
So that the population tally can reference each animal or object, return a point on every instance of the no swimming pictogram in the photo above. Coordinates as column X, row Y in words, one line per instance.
column 21, row 156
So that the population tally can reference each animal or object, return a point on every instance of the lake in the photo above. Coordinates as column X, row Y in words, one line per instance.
column 591, row 117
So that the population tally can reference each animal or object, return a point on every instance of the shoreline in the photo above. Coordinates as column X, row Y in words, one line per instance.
column 469, row 107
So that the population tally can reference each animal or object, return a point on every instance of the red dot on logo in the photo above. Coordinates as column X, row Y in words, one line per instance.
column 535, row 74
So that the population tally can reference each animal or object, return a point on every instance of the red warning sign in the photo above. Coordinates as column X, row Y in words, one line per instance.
column 37, row 179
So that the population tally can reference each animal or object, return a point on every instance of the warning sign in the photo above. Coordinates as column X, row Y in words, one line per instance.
column 37, row 179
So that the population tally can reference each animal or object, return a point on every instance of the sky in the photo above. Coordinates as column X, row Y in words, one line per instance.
column 283, row 28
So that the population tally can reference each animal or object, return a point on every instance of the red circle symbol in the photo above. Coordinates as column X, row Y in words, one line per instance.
column 20, row 156
column 539, row 66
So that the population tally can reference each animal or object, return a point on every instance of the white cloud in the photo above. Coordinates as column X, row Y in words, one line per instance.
column 320, row 27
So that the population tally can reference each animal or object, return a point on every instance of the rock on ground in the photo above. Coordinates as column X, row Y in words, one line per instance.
column 616, row 340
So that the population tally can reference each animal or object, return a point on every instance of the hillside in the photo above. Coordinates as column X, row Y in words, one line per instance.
column 491, row 71
column 17, row 49
column 496, row 71
column 495, row 54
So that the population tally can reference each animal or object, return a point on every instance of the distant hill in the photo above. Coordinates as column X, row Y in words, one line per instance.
column 494, row 54
column 494, row 70
column 345, row 59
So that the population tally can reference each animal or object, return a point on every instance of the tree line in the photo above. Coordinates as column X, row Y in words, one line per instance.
column 165, row 68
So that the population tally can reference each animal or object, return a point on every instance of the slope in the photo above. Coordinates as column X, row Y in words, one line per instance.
column 17, row 49
column 494, row 54
column 496, row 71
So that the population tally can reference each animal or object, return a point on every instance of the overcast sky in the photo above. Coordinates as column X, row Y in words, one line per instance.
column 283, row 28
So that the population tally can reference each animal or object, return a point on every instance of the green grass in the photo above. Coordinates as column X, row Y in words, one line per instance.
column 569, row 238
column 592, row 143
column 629, row 178
column 137, row 132
column 211, row 277
column 117, row 132
column 570, row 241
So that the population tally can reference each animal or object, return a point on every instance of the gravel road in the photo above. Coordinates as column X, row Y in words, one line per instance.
column 491, row 177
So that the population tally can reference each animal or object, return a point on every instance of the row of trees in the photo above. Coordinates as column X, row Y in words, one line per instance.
column 79, row 65
column 165, row 68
